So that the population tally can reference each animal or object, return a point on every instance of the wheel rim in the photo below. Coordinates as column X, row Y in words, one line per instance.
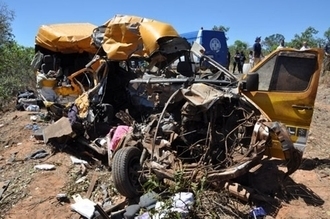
column 134, row 169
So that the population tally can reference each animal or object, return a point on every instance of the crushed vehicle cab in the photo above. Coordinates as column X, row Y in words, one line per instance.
column 159, row 120
column 62, row 52
column 213, row 132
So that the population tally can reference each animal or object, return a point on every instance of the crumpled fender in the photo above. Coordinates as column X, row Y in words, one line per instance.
column 293, row 156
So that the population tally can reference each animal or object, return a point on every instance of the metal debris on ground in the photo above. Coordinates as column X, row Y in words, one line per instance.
column 41, row 153
column 3, row 187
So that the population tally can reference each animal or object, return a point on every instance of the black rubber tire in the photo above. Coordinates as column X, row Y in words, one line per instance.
column 125, row 171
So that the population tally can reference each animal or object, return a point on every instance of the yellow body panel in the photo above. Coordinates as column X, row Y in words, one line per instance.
column 278, row 105
column 293, row 108
column 128, row 35
column 66, row 38
column 49, row 83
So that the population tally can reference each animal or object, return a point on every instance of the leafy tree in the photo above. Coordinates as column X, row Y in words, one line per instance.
column 6, row 17
column 222, row 28
column 237, row 46
column 240, row 45
column 327, row 34
column 271, row 42
column 15, row 71
column 309, row 36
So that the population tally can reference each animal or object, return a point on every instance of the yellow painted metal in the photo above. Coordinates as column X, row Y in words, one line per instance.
column 131, row 35
column 66, row 38
column 279, row 105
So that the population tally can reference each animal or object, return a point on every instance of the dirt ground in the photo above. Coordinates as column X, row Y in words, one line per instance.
column 32, row 193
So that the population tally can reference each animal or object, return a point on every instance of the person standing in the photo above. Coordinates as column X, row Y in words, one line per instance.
column 228, row 60
column 251, row 59
column 236, row 60
column 304, row 46
column 281, row 44
column 327, row 48
column 326, row 61
column 241, row 62
column 257, row 53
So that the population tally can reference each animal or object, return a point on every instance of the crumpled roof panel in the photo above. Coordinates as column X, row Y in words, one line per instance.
column 66, row 38
column 125, row 35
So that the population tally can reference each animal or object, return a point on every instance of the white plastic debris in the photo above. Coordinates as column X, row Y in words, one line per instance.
column 84, row 207
column 183, row 200
column 81, row 179
column 77, row 160
column 44, row 167
column 32, row 108
column 33, row 118
column 181, row 203
column 103, row 142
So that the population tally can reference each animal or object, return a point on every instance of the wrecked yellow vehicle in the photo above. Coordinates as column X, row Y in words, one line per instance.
column 217, row 133
column 154, row 114
column 62, row 53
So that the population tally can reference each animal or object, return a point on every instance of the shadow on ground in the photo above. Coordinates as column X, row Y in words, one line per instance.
column 270, row 181
column 311, row 164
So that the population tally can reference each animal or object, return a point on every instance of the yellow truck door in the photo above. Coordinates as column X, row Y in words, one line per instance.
column 284, row 85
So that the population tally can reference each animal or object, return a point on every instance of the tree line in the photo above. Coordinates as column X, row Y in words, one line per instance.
column 270, row 43
column 15, row 71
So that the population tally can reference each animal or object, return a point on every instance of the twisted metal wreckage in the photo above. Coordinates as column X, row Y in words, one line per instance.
column 160, row 109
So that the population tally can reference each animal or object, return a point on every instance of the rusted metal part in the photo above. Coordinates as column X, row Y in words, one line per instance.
column 161, row 171
column 125, row 117
column 92, row 145
column 292, row 155
column 246, row 193
column 114, row 210
column 237, row 158
column 238, row 191
column 103, row 214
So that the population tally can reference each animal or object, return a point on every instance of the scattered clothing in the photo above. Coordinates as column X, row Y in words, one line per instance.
column 116, row 134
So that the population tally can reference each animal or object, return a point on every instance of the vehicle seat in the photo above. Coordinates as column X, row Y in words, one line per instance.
column 184, row 68
column 48, row 64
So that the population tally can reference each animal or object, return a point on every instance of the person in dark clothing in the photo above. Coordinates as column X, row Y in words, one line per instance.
column 326, row 61
column 327, row 48
column 228, row 60
column 236, row 60
column 257, row 53
column 241, row 62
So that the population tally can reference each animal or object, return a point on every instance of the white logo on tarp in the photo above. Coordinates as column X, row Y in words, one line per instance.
column 215, row 45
